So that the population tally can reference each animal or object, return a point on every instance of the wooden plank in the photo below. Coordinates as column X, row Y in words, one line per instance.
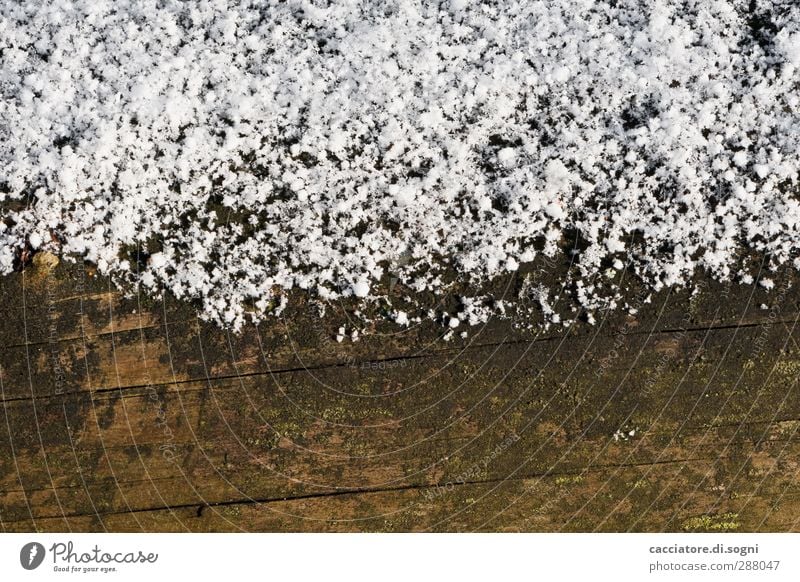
column 130, row 414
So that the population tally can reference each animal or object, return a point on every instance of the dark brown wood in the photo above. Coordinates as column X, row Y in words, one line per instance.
column 130, row 414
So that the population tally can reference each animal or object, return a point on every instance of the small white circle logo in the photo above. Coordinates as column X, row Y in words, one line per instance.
column 31, row 555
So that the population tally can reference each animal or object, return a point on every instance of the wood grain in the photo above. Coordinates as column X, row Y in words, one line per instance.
column 130, row 414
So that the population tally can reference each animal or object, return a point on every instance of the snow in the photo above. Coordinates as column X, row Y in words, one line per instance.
column 506, row 155
column 250, row 148
column 361, row 289
column 401, row 318
column 35, row 240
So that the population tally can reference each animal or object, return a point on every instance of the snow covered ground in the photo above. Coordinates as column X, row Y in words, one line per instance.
column 250, row 147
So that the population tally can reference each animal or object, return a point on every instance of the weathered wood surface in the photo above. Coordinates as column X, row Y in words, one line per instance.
column 131, row 414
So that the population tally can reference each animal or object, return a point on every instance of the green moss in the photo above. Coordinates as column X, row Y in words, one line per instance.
column 712, row 523
column 569, row 480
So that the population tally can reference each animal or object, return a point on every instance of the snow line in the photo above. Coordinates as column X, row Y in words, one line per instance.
column 250, row 147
